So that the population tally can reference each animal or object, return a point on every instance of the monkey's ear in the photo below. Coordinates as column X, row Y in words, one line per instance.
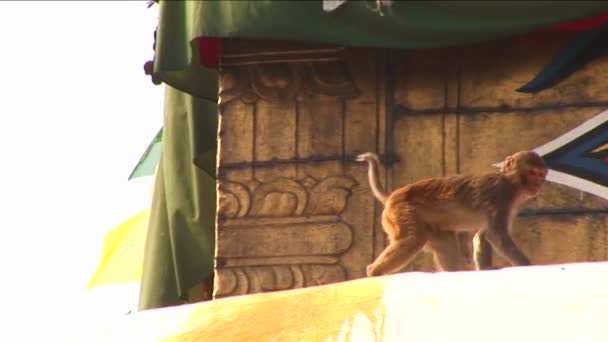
column 508, row 165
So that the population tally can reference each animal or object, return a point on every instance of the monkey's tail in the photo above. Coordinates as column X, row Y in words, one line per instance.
column 372, row 172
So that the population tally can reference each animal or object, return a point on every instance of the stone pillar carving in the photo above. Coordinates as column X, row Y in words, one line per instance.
column 289, row 196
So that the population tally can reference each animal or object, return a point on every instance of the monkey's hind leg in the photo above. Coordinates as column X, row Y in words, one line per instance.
column 395, row 256
column 482, row 251
column 406, row 237
column 446, row 251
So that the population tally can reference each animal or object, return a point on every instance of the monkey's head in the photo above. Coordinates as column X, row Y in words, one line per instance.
column 528, row 170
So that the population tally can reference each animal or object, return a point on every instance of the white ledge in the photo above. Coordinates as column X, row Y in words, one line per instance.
column 539, row 303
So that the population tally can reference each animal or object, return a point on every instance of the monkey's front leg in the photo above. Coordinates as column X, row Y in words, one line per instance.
column 504, row 245
column 482, row 251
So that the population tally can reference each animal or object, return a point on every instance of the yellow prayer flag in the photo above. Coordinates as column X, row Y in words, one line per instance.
column 123, row 251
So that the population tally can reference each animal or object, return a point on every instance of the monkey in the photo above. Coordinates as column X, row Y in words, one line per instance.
column 425, row 214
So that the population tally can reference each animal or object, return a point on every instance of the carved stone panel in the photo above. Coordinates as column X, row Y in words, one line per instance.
column 295, row 211
column 282, row 234
column 292, row 212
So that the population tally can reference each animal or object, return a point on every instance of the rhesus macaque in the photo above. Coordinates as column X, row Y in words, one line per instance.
column 426, row 214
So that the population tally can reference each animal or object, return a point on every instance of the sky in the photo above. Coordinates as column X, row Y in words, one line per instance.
column 77, row 112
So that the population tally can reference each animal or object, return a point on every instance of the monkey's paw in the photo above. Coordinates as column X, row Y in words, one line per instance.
column 369, row 270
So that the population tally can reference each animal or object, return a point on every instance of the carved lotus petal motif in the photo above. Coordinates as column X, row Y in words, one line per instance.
column 228, row 283
column 234, row 83
column 244, row 280
column 329, row 196
column 234, row 200
column 330, row 78
column 283, row 197
column 308, row 182
column 277, row 204
column 229, row 205
column 272, row 278
column 323, row 274
column 274, row 82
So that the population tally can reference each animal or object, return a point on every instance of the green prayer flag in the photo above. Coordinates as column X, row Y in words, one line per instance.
column 148, row 161
column 405, row 24
column 180, row 243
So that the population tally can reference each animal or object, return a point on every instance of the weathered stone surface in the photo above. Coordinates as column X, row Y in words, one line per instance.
column 289, row 195
column 295, row 210
column 420, row 78
column 492, row 72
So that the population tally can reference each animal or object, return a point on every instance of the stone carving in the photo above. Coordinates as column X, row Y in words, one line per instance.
column 287, row 111
column 286, row 81
column 282, row 234
column 255, row 279
column 285, row 197
column 272, row 74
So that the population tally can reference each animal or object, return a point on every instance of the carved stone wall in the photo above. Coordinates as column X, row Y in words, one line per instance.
column 291, row 211
column 295, row 211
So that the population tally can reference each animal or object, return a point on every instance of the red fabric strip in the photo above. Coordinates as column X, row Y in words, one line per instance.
column 554, row 32
column 209, row 50
column 584, row 24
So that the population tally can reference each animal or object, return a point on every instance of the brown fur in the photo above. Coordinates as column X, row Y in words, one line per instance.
column 426, row 214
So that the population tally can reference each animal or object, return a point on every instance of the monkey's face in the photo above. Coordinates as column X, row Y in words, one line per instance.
column 533, row 179
column 529, row 169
